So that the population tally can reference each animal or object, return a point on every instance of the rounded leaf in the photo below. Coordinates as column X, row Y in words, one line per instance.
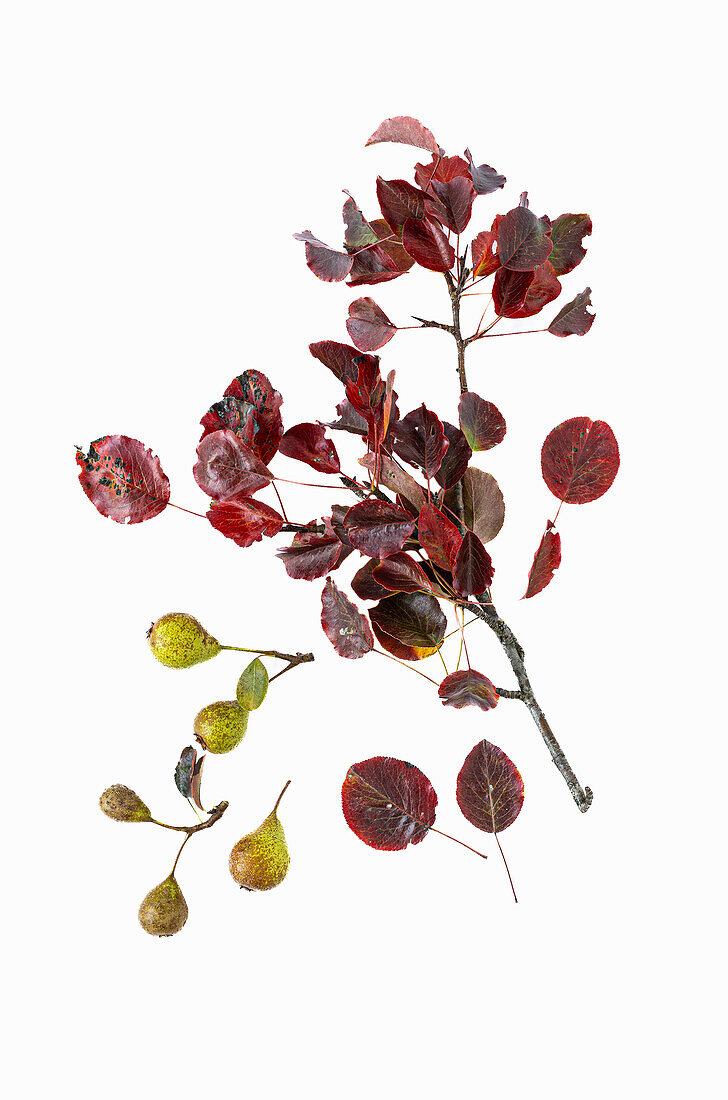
column 123, row 479
column 490, row 788
column 225, row 467
column 580, row 459
column 388, row 803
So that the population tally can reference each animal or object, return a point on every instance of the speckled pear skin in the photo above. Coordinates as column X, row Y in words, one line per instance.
column 220, row 727
column 164, row 910
column 260, row 860
column 178, row 640
column 123, row 804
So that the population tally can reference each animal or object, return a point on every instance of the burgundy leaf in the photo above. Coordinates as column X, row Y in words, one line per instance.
column 401, row 573
column 472, row 570
column 490, row 788
column 468, row 688
column 309, row 443
column 368, row 326
column 440, row 168
column 457, row 457
column 411, row 618
column 419, row 439
column 244, row 520
column 344, row 625
column 312, row 554
column 364, row 584
column 405, row 131
column 439, row 538
column 368, row 392
column 573, row 319
column 123, row 479
column 546, row 561
column 482, row 423
column 483, row 507
column 484, row 252
column 394, row 478
column 426, row 243
column 326, row 263
column 378, row 528
column 509, row 291
column 485, row 179
column 388, row 803
column 545, row 288
column 374, row 265
column 225, row 467
column 349, row 419
column 580, row 459
column 524, row 240
column 399, row 201
column 251, row 408
column 456, row 196
column 392, row 246
column 339, row 358
column 567, row 234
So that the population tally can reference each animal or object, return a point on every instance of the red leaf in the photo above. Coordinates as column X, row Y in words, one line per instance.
column 567, row 234
column 309, row 443
column 524, row 240
column 399, row 201
column 419, row 439
column 368, row 326
column 457, row 457
column 394, row 478
column 244, row 520
column 573, row 319
column 367, row 393
column 312, row 554
column 377, row 528
column 405, row 131
column 482, row 423
column 339, row 358
column 485, row 256
column 509, row 291
column 485, row 179
column 392, row 247
column 546, row 561
column 490, row 788
column 472, row 570
column 123, row 479
column 580, row 459
column 456, row 196
column 344, row 625
column 388, row 803
column 439, row 538
column 545, row 288
column 364, row 584
column 412, row 619
column 326, row 263
column 225, row 467
column 251, row 408
column 372, row 266
column 426, row 243
column 400, row 573
column 468, row 689
column 440, row 168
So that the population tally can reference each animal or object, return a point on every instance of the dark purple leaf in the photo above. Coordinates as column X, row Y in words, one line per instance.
column 456, row 197
column 485, row 179
column 567, row 234
column 311, row 555
column 364, row 584
column 545, row 288
column 374, row 265
column 457, row 457
column 472, row 570
column 309, row 443
column 524, row 240
column 419, row 439
column 413, row 619
column 509, row 291
column 438, row 536
column 490, row 788
column 468, row 689
column 349, row 419
column 405, row 131
column 377, row 528
column 188, row 775
column 426, row 243
column 573, row 319
column 399, row 201
column 368, row 326
column 339, row 358
column 326, row 263
column 225, row 467
column 482, row 423
column 546, row 561
column 388, row 803
column 483, row 507
column 400, row 573
column 344, row 625
column 123, row 479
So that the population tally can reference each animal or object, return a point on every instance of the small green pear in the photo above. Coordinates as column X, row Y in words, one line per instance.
column 123, row 804
column 219, row 727
column 178, row 640
column 260, row 860
column 164, row 910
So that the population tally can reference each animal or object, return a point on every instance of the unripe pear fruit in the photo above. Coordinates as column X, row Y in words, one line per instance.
column 123, row 804
column 219, row 727
column 164, row 910
column 260, row 860
column 178, row 640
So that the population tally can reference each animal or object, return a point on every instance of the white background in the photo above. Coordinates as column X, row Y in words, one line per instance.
column 157, row 159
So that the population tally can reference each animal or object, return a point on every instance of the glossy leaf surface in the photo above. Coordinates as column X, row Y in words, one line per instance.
column 388, row 803
column 523, row 239
column 472, row 570
column 309, row 443
column 489, row 789
column 399, row 201
column 412, row 618
column 439, row 537
column 251, row 408
column 484, row 251
column 468, row 688
column 244, row 520
column 343, row 623
column 188, row 775
column 426, row 243
column 419, row 439
column 580, row 459
column 401, row 573
column 456, row 197
column 123, row 479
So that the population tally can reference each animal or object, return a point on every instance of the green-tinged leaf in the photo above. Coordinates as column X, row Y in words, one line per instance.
column 567, row 234
column 188, row 775
column 253, row 685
